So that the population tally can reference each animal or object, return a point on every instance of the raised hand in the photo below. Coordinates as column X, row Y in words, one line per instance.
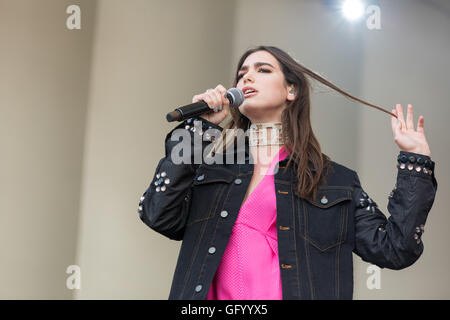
column 405, row 136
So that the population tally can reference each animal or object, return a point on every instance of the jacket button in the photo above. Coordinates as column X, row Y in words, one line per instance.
column 224, row 214
column 324, row 200
column 200, row 178
column 212, row 250
column 238, row 181
column 198, row 288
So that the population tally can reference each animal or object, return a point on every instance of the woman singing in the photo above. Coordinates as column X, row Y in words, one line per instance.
column 283, row 223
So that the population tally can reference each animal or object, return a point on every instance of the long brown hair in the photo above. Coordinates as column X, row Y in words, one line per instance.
column 311, row 165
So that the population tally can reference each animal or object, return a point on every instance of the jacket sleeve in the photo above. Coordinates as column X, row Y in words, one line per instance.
column 395, row 243
column 164, row 206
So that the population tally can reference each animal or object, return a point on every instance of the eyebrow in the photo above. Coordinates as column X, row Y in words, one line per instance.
column 256, row 64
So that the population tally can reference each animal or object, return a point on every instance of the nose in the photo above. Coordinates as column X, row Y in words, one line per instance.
column 248, row 78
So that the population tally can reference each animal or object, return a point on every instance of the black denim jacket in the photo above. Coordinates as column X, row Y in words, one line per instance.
column 199, row 203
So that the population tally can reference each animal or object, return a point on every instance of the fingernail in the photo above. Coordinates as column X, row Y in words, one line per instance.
column 220, row 107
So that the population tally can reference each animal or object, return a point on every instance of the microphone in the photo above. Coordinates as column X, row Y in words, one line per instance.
column 234, row 95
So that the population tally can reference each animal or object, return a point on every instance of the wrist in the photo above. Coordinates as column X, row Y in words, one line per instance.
column 419, row 151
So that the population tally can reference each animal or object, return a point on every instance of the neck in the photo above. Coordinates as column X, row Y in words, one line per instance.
column 266, row 134
column 265, row 143
column 263, row 156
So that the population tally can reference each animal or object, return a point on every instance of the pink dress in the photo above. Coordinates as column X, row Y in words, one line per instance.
column 249, row 269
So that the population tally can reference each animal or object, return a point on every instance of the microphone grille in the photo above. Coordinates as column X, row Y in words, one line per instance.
column 236, row 97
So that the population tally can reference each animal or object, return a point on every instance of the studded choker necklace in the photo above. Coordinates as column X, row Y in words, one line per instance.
column 258, row 134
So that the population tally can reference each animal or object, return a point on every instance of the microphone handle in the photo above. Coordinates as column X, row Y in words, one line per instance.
column 189, row 111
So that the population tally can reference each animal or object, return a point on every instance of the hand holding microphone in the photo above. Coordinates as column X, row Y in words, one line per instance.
column 216, row 100
column 213, row 105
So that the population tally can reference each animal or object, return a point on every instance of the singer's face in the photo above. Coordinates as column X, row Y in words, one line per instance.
column 261, row 72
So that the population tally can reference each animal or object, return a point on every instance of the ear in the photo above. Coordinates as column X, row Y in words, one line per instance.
column 291, row 93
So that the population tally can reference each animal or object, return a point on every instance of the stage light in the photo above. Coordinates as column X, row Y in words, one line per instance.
column 352, row 9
